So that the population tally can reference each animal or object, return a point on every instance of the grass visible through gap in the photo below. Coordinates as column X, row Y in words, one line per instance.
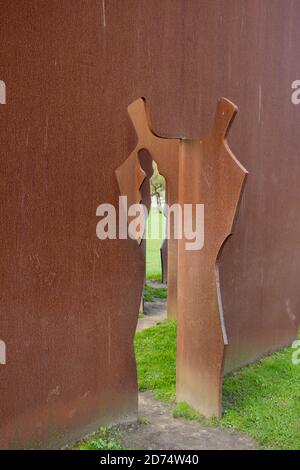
column 262, row 400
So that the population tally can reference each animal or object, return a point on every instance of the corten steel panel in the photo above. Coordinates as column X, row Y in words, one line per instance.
column 130, row 177
column 209, row 174
column 71, row 68
column 250, row 53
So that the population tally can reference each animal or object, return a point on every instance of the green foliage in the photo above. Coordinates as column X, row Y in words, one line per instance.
column 105, row 439
column 184, row 410
column 157, row 182
column 142, row 420
column 151, row 293
column 262, row 400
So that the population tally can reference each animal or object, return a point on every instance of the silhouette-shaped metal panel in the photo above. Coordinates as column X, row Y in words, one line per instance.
column 209, row 174
column 130, row 178
column 206, row 172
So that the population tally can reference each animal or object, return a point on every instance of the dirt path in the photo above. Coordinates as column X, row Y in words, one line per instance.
column 157, row 429
column 154, row 313
column 160, row 431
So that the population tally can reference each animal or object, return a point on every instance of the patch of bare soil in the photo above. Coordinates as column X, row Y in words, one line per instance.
column 156, row 429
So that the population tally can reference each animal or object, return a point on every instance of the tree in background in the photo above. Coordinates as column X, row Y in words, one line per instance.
column 157, row 185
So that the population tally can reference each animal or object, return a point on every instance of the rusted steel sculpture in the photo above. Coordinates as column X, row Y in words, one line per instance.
column 208, row 174
column 68, row 301
column 130, row 178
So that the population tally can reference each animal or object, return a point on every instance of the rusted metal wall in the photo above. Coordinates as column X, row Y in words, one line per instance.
column 69, row 302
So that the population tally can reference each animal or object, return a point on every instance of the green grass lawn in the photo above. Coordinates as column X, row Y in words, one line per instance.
column 104, row 439
column 262, row 400
column 151, row 293
column 156, row 228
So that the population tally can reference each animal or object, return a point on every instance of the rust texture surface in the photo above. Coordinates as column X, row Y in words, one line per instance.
column 69, row 302
column 210, row 175
column 206, row 173
column 165, row 153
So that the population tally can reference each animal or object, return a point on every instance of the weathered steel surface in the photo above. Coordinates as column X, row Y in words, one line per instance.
column 165, row 153
column 131, row 176
column 69, row 302
column 63, row 315
column 209, row 174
